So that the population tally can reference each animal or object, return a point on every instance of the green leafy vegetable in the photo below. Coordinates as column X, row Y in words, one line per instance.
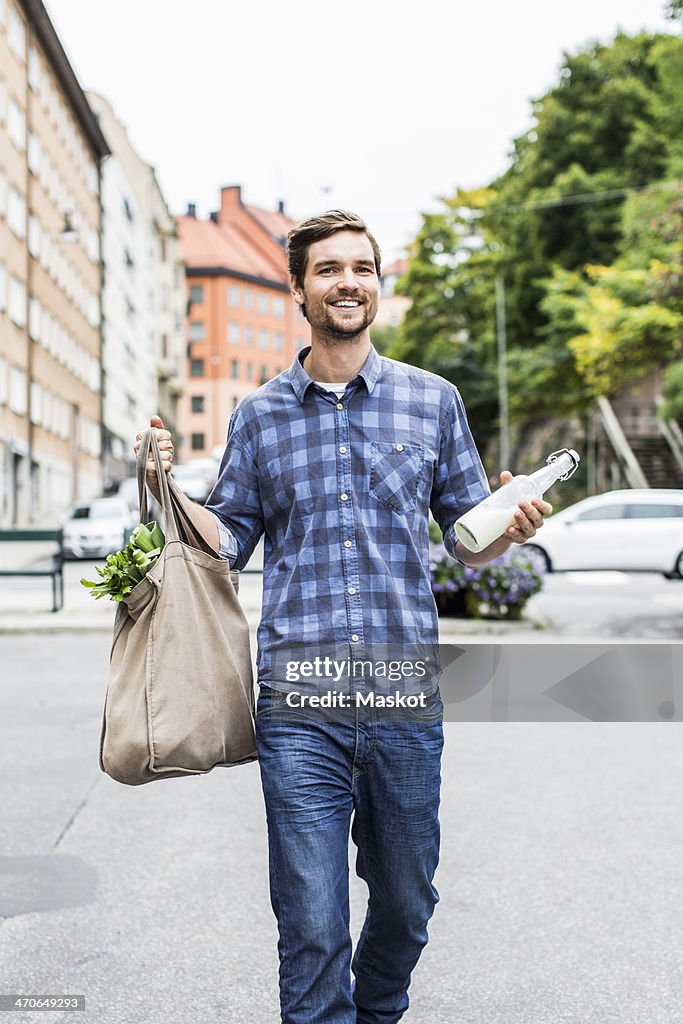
column 125, row 569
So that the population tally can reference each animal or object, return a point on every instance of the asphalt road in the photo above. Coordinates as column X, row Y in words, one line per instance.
column 560, row 877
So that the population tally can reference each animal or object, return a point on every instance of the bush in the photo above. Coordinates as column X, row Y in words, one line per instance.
column 499, row 589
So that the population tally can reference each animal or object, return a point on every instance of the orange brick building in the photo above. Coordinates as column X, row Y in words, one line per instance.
column 243, row 326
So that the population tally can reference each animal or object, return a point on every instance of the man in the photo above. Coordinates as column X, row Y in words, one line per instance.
column 336, row 463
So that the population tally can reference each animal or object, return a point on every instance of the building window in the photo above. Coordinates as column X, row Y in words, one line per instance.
column 278, row 306
column 197, row 403
column 248, row 299
column 3, row 282
column 264, row 374
column 16, row 301
column 197, row 330
column 233, row 295
column 128, row 259
column 234, row 369
column 234, row 333
column 16, row 35
column 198, row 442
column 3, row 97
column 196, row 367
column 249, row 335
column 278, row 342
column 249, row 372
column 263, row 339
column 16, row 125
column 127, row 209
column 196, row 293
column 263, row 306
column 16, row 213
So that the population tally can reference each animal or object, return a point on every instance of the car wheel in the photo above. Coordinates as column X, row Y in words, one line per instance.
column 539, row 556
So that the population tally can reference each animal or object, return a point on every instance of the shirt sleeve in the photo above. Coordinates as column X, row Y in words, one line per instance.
column 460, row 480
column 235, row 502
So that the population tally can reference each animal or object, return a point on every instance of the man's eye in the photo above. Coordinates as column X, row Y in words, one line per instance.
column 328, row 270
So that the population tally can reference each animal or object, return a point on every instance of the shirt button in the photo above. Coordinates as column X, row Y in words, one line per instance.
column 352, row 590
column 344, row 497
column 399, row 447
column 347, row 543
column 340, row 406
column 354, row 637
column 342, row 449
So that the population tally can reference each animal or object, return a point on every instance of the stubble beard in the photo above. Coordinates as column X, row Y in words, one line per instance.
column 331, row 332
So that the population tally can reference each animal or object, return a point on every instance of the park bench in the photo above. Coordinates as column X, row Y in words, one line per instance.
column 52, row 565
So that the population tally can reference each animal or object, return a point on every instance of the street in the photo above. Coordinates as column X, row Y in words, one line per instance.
column 560, row 880
column 560, row 876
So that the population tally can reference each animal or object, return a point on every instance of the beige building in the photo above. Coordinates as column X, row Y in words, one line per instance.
column 50, row 392
column 143, row 298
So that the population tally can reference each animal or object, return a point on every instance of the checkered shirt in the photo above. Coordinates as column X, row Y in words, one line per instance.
column 341, row 490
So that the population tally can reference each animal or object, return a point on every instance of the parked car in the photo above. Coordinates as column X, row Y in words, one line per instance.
column 97, row 528
column 630, row 530
column 196, row 478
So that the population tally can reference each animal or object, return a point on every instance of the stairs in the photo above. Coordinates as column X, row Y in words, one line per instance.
column 656, row 461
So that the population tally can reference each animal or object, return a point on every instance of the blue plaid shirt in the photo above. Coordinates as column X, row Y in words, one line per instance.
column 341, row 490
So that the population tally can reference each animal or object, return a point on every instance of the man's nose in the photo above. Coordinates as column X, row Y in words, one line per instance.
column 349, row 279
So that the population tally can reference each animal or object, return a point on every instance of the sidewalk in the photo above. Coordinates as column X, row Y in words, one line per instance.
column 25, row 604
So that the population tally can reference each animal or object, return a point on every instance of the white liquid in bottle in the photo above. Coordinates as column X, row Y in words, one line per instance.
column 491, row 517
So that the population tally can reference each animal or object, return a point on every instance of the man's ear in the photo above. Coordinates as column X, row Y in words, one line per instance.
column 297, row 293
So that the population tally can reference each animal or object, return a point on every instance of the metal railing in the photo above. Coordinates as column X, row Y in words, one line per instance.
column 619, row 442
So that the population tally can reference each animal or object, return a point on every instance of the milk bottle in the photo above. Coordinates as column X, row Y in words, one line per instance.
column 492, row 516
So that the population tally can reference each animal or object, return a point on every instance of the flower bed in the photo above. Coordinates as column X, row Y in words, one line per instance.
column 499, row 589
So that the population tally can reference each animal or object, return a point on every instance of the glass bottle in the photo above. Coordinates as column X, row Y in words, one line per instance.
column 491, row 517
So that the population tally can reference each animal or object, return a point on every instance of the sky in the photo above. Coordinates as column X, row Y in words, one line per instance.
column 379, row 107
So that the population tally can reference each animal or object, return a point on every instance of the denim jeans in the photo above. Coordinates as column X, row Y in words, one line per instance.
column 318, row 775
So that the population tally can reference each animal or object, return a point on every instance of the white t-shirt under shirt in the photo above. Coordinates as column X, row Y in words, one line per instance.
column 338, row 389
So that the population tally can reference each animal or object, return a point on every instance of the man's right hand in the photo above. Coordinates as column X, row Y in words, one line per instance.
column 165, row 442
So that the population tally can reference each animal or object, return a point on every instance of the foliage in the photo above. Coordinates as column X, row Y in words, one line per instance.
column 125, row 569
column 672, row 389
column 499, row 589
column 584, row 228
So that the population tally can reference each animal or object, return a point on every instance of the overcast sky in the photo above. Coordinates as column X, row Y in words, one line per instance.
column 379, row 107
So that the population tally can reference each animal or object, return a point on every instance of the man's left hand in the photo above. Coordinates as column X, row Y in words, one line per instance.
column 529, row 516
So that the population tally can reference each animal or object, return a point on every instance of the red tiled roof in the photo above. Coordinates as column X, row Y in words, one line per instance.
column 206, row 244
column 398, row 267
column 276, row 224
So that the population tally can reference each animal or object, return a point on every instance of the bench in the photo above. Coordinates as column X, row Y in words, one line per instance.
column 52, row 565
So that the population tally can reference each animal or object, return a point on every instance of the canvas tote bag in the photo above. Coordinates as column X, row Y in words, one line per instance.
column 180, row 697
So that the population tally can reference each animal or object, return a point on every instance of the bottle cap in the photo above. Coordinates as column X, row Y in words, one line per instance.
column 574, row 456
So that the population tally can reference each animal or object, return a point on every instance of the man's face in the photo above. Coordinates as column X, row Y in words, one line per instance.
column 341, row 287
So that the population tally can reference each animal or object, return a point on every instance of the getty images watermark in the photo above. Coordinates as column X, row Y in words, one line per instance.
column 335, row 671
column 521, row 682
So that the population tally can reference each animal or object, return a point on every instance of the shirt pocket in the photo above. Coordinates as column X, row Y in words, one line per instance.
column 395, row 474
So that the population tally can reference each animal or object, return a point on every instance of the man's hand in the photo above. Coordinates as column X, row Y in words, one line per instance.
column 529, row 516
column 165, row 443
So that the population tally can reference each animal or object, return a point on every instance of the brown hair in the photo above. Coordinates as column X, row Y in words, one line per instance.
column 301, row 237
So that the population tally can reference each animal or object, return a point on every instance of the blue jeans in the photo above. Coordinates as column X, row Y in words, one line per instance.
column 317, row 774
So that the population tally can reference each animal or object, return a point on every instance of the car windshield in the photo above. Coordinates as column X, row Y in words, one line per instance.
column 103, row 509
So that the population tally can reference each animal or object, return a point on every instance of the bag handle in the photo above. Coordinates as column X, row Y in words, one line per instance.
column 147, row 444
column 177, row 508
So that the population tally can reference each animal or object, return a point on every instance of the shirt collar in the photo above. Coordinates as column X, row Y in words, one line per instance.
column 370, row 372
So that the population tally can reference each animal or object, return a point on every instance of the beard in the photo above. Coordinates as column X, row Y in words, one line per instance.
column 334, row 330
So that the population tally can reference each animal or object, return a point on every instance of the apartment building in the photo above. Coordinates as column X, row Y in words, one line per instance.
column 50, row 394
column 143, row 298
column 243, row 326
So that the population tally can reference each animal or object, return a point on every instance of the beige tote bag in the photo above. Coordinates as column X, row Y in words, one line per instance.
column 180, row 697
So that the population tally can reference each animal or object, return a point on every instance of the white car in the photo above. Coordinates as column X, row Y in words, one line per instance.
column 97, row 528
column 196, row 478
column 630, row 530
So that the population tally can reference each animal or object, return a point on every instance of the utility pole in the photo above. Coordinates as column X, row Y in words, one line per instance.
column 501, row 337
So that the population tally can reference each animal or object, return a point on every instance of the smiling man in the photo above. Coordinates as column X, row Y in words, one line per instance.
column 336, row 463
